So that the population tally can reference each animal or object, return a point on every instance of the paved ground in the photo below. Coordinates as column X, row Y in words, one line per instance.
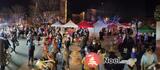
column 20, row 59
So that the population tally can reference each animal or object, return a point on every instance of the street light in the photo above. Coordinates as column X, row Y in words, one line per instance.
column 66, row 1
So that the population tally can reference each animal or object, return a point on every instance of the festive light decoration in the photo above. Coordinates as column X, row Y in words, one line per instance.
column 92, row 60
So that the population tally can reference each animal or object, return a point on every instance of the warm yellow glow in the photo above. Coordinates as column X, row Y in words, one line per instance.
column 106, row 19
column 83, row 13
column 65, row 11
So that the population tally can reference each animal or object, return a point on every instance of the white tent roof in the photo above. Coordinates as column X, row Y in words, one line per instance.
column 57, row 24
column 98, row 27
column 100, row 23
column 70, row 24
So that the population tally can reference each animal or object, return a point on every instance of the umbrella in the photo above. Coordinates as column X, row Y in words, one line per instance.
column 92, row 60
column 146, row 29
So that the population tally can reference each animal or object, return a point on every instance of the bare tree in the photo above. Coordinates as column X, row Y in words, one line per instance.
column 18, row 10
column 5, row 11
column 18, row 13
column 44, row 10
column 48, row 5
column 157, row 13
column 45, row 5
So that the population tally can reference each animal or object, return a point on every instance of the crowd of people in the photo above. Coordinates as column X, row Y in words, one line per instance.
column 58, row 49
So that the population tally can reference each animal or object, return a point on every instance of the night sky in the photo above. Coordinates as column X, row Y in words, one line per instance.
column 142, row 8
column 9, row 3
column 81, row 5
column 77, row 6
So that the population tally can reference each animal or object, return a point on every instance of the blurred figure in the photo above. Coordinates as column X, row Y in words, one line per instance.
column 112, row 55
column 31, row 52
column 28, row 37
column 148, row 61
column 127, row 46
column 3, row 49
column 131, row 64
column 68, row 43
column 6, row 41
column 59, row 43
column 14, row 42
column 38, row 38
column 101, row 34
column 102, row 55
column 59, row 60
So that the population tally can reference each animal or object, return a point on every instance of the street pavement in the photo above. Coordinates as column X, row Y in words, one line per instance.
column 19, row 60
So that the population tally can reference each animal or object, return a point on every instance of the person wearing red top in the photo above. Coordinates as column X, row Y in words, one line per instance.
column 50, row 42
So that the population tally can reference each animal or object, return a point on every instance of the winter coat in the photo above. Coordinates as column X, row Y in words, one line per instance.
column 2, row 51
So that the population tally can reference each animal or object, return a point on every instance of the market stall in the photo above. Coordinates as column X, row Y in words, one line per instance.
column 57, row 24
column 98, row 26
column 70, row 24
column 146, row 29
column 87, row 25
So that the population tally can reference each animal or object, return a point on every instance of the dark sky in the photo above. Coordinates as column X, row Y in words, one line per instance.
column 76, row 6
column 116, row 7
column 6, row 3
column 82, row 5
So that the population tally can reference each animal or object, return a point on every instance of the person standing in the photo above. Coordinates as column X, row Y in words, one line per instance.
column 68, row 43
column 50, row 41
column 14, row 42
column 101, row 34
column 128, row 44
column 59, row 43
column 131, row 63
column 38, row 38
column 29, row 35
column 59, row 60
column 149, row 60
column 2, row 52
column 31, row 52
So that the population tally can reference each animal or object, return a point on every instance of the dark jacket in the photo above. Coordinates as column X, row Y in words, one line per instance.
column 2, row 51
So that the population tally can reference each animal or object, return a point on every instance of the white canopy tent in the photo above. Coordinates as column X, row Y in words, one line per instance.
column 57, row 24
column 98, row 27
column 70, row 24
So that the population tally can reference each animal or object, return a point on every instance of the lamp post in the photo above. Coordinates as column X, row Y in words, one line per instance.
column 83, row 15
column 66, row 2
